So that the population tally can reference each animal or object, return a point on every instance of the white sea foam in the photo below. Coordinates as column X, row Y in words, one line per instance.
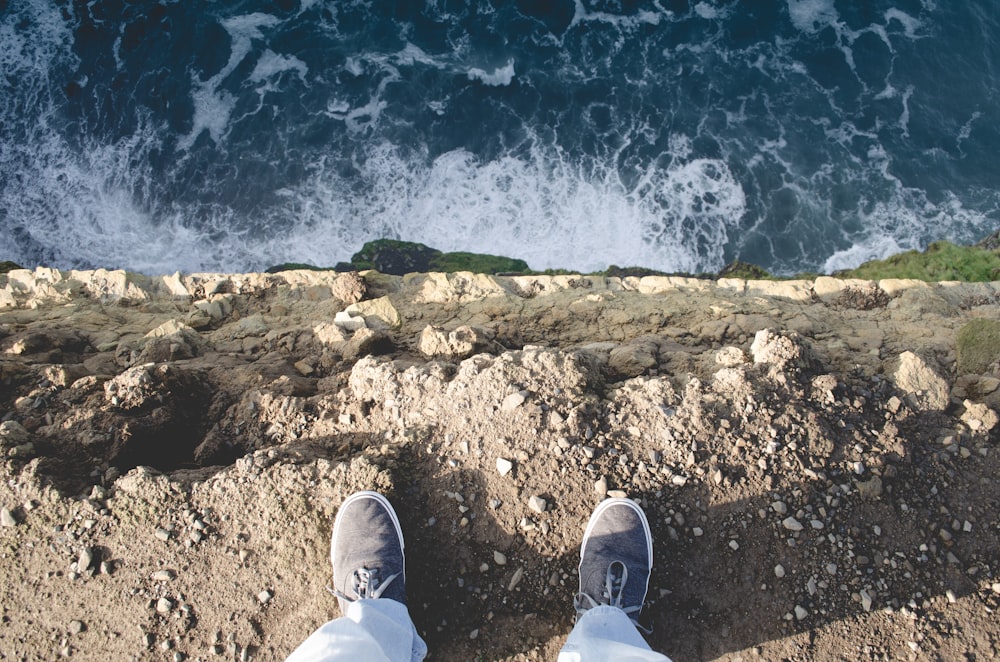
column 910, row 25
column 271, row 64
column 871, row 248
column 908, row 222
column 547, row 211
column 622, row 21
column 212, row 106
column 497, row 78
column 812, row 15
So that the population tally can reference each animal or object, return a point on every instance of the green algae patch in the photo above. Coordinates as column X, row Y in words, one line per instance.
column 977, row 347
column 941, row 261
column 480, row 263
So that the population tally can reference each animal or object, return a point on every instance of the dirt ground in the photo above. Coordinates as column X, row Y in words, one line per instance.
column 820, row 483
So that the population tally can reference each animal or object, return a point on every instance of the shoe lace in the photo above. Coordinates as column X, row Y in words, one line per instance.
column 611, row 595
column 366, row 585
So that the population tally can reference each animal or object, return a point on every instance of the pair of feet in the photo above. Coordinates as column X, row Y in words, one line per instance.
column 616, row 555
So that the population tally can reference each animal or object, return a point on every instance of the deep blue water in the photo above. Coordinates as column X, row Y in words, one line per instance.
column 797, row 134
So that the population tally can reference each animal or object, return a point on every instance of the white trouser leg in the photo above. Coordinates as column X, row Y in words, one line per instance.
column 370, row 630
column 606, row 633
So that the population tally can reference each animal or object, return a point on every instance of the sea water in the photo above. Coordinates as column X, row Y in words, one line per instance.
column 677, row 135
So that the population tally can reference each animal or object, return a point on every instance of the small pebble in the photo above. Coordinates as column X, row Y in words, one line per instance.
column 164, row 605
column 779, row 571
column 697, row 531
column 800, row 612
column 537, row 504
column 265, row 597
column 86, row 558
column 76, row 627
column 601, row 486
column 516, row 579
column 734, row 545
column 866, row 600
column 7, row 518
column 792, row 524
column 779, row 507
column 163, row 575
column 499, row 558
column 162, row 534
column 504, row 466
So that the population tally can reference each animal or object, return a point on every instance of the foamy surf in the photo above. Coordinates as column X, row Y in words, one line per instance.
column 805, row 135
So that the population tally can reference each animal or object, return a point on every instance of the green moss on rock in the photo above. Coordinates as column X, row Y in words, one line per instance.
column 942, row 260
column 390, row 256
column 745, row 270
column 977, row 347
column 480, row 263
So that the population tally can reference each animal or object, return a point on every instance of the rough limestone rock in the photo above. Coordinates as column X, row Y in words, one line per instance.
column 350, row 287
column 254, row 443
column 634, row 358
column 171, row 341
column 461, row 343
column 12, row 433
column 923, row 387
column 131, row 389
column 979, row 417
column 779, row 350
column 378, row 313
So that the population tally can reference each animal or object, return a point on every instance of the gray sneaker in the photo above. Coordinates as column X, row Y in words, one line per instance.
column 366, row 550
column 616, row 557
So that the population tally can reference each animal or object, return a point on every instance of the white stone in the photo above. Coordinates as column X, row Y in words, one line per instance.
column 85, row 559
column 512, row 402
column 800, row 612
column 779, row 571
column 504, row 466
column 537, row 504
column 499, row 558
column 516, row 579
column 349, row 322
column 791, row 524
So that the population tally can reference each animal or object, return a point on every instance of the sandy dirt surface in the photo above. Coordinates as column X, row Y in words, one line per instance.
column 821, row 482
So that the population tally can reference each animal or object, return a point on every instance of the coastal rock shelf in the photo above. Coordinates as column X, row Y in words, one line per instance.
column 818, row 458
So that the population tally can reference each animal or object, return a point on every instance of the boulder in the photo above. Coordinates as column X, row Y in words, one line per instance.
column 460, row 343
column 350, row 287
column 634, row 358
column 923, row 388
column 780, row 350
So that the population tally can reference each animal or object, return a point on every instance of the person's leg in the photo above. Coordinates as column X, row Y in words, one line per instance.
column 616, row 558
column 366, row 551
